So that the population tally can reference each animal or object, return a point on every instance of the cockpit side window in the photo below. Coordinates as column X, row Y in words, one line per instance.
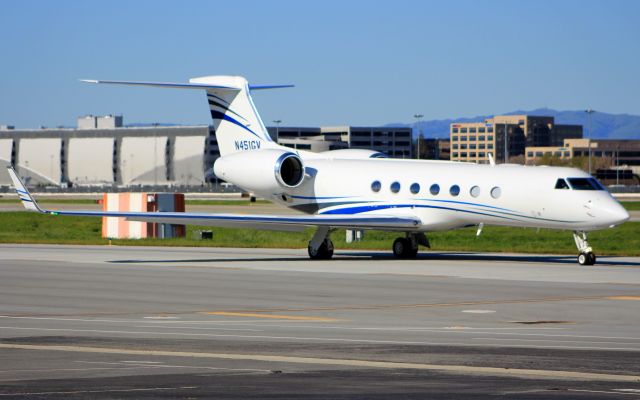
column 561, row 184
column 585, row 184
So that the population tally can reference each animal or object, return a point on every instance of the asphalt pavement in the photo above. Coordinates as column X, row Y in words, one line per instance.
column 131, row 322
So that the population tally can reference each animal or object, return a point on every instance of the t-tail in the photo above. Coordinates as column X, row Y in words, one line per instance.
column 236, row 121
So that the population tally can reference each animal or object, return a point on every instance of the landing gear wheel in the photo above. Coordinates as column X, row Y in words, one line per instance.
column 586, row 258
column 403, row 248
column 324, row 252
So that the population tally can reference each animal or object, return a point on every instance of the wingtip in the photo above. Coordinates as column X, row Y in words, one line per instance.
column 89, row 80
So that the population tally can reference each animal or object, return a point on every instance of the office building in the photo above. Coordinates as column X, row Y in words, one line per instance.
column 618, row 152
column 476, row 141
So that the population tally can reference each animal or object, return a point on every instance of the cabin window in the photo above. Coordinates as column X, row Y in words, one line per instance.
column 561, row 184
column 585, row 184
column 376, row 186
column 434, row 189
column 475, row 191
column 395, row 187
column 454, row 190
column 414, row 188
column 496, row 192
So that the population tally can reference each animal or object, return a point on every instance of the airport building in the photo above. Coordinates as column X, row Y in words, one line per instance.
column 101, row 153
column 475, row 141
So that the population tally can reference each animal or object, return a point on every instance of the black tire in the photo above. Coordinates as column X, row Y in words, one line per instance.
column 402, row 248
column 413, row 252
column 324, row 252
column 583, row 259
column 328, row 249
column 399, row 247
column 587, row 258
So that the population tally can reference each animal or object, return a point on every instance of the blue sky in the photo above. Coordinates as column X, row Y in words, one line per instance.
column 353, row 62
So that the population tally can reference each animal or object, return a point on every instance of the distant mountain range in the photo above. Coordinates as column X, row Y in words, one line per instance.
column 604, row 125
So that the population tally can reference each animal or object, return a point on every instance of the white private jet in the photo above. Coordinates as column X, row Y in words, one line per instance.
column 361, row 189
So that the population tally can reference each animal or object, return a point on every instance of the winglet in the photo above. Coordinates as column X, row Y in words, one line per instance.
column 492, row 162
column 27, row 200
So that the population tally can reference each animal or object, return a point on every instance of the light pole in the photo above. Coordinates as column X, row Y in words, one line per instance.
column 418, row 118
column 617, row 165
column 589, row 111
column 506, row 143
column 277, row 122
column 155, row 155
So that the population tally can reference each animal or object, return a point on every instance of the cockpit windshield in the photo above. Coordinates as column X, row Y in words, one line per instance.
column 585, row 184
column 561, row 184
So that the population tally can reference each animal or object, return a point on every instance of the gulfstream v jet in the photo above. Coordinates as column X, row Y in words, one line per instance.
column 361, row 189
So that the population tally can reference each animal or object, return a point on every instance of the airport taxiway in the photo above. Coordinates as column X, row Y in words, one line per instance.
column 97, row 321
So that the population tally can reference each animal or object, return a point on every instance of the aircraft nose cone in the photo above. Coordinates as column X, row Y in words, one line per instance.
column 617, row 214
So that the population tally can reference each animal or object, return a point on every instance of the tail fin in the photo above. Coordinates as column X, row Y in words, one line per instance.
column 236, row 121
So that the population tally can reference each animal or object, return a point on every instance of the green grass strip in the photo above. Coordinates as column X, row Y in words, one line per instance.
column 26, row 227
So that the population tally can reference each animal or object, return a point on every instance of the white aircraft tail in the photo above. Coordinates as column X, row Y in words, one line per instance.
column 236, row 121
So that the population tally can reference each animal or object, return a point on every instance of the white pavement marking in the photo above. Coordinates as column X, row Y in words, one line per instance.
column 491, row 371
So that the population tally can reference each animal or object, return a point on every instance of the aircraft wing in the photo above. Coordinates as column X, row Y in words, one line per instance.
column 266, row 222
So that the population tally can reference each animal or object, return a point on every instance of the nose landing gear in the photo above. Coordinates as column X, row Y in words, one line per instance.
column 586, row 256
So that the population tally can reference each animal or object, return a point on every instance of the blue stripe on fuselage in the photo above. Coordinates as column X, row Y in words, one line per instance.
column 376, row 207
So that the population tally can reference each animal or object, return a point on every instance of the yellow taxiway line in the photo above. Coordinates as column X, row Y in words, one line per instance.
column 271, row 316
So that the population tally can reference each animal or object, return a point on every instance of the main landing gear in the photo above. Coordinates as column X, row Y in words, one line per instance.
column 321, row 246
column 586, row 256
column 407, row 247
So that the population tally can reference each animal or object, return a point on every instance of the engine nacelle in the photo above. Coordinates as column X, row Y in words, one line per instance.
column 266, row 171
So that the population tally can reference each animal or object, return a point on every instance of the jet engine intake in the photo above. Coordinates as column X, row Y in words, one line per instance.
column 265, row 171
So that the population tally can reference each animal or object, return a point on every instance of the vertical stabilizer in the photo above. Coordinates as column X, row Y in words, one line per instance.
column 236, row 121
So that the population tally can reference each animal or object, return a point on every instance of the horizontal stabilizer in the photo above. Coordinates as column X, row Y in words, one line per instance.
column 190, row 85
column 264, row 87
column 166, row 84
